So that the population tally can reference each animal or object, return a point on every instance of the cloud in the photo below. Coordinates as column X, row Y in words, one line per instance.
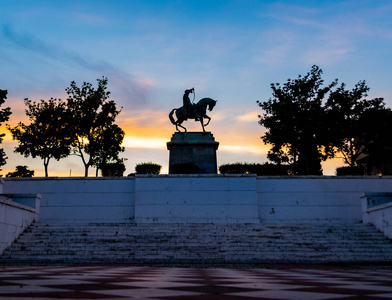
column 320, row 35
column 146, row 142
column 31, row 43
column 327, row 55
column 89, row 19
column 129, row 88
column 248, row 117
column 246, row 149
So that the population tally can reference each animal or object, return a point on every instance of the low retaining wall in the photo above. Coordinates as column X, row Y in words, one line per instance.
column 200, row 198
column 381, row 217
column 377, row 210
column 28, row 200
column 196, row 199
column 15, row 218
column 316, row 199
column 79, row 200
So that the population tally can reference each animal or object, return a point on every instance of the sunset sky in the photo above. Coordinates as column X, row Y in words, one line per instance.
column 151, row 51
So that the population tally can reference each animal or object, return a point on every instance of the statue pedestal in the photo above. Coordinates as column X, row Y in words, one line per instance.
column 194, row 147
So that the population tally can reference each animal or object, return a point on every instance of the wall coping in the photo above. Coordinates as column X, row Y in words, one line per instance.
column 67, row 178
column 9, row 202
column 323, row 177
column 196, row 176
column 379, row 207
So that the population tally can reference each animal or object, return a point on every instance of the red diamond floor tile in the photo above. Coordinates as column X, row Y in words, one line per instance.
column 139, row 282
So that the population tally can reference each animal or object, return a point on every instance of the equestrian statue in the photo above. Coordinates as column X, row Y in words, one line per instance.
column 192, row 111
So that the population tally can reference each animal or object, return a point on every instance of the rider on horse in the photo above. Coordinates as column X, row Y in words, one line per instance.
column 188, row 108
column 192, row 111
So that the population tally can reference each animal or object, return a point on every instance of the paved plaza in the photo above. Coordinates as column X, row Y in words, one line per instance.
column 141, row 282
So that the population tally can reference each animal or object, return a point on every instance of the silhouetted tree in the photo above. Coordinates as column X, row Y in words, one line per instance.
column 92, row 114
column 375, row 141
column 295, row 121
column 345, row 110
column 48, row 135
column 21, row 171
column 107, row 143
column 4, row 116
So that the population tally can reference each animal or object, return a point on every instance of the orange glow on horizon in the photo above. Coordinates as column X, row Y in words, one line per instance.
column 152, row 130
column 52, row 173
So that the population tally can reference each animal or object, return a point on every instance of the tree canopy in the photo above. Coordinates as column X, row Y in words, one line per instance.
column 83, row 124
column 308, row 122
column 97, row 138
column 294, row 119
column 107, row 145
column 375, row 141
column 345, row 111
column 47, row 136
column 4, row 116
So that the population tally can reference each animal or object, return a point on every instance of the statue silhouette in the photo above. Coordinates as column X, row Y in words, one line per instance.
column 192, row 111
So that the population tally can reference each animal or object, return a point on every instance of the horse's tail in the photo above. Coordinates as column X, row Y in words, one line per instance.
column 171, row 116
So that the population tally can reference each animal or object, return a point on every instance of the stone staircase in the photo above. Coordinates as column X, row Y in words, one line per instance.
column 199, row 244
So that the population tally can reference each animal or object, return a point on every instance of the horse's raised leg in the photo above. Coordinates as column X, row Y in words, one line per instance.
column 209, row 119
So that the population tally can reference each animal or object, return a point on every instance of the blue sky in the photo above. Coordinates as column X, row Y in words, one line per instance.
column 152, row 50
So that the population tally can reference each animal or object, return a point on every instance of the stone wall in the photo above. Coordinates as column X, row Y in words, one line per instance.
column 315, row 199
column 380, row 215
column 196, row 199
column 14, row 219
column 200, row 198
column 79, row 200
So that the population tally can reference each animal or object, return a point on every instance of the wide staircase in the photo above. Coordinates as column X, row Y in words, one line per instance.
column 199, row 244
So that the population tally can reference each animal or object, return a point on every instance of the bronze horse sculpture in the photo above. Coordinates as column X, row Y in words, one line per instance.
column 192, row 111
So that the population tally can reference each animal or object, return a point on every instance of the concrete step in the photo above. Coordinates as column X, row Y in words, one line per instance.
column 186, row 259
column 244, row 241
column 303, row 237
column 214, row 230
column 199, row 243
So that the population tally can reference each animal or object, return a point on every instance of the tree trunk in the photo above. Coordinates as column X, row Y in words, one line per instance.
column 86, row 164
column 46, row 164
column 86, row 170
column 309, row 162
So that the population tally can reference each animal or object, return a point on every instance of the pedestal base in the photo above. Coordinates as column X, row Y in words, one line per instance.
column 194, row 147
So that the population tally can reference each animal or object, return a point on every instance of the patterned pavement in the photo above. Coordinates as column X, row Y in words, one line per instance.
column 139, row 282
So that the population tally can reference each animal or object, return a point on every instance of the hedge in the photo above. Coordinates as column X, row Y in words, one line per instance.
column 148, row 168
column 265, row 169
column 344, row 171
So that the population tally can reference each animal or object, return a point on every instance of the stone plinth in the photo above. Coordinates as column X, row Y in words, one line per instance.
column 194, row 147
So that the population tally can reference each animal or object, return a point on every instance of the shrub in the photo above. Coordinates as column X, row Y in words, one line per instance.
column 148, row 168
column 268, row 169
column 237, row 168
column 21, row 171
column 115, row 169
column 344, row 171
column 265, row 169
column 184, row 168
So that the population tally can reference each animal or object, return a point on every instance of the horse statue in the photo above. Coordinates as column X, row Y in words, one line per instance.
column 192, row 111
